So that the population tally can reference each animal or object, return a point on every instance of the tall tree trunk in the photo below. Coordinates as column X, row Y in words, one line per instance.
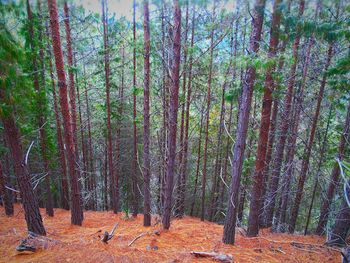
column 307, row 151
column 207, row 119
column 135, row 192
column 234, row 78
column 63, row 163
column 72, row 104
column 324, row 213
column 113, row 179
column 256, row 199
column 273, row 185
column 40, row 102
column 77, row 212
column 146, row 123
column 180, row 198
column 289, row 164
column 242, row 128
column 174, row 99
column 320, row 162
column 29, row 201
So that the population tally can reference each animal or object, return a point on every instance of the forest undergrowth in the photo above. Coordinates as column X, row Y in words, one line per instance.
column 68, row 243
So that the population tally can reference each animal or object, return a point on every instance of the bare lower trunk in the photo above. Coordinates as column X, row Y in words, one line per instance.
column 77, row 212
column 275, row 175
column 146, row 122
column 242, row 128
column 174, row 96
column 258, row 179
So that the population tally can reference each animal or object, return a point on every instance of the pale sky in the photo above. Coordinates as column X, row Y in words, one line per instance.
column 124, row 7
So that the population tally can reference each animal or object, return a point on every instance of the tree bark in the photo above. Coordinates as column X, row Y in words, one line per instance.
column 77, row 212
column 180, row 198
column 63, row 163
column 174, row 97
column 242, row 128
column 135, row 192
column 29, row 201
column 146, row 122
column 273, row 185
column 256, row 199
column 113, row 179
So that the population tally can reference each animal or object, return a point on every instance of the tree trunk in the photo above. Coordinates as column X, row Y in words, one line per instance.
column 135, row 192
column 256, row 199
column 207, row 119
column 242, row 128
column 77, row 212
column 40, row 103
column 113, row 179
column 334, row 176
column 146, row 123
column 174, row 97
column 180, row 198
column 320, row 162
column 63, row 163
column 273, row 185
column 29, row 201
column 307, row 151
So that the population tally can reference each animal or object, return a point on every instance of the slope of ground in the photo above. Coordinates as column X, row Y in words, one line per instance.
column 83, row 244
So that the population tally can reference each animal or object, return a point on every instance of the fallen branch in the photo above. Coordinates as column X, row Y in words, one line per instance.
column 107, row 237
column 136, row 238
column 216, row 256
column 296, row 243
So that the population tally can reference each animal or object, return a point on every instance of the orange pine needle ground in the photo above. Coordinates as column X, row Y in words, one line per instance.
column 83, row 244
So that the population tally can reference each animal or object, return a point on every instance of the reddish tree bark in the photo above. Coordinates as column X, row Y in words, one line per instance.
column 113, row 179
column 273, row 184
column 63, row 164
column 135, row 192
column 72, row 96
column 174, row 99
column 29, row 201
column 324, row 213
column 255, row 203
column 146, row 123
column 77, row 212
column 242, row 128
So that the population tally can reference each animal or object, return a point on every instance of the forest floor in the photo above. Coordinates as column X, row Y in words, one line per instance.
column 67, row 243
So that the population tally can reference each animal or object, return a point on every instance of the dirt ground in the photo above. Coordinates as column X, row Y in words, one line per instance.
column 67, row 243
